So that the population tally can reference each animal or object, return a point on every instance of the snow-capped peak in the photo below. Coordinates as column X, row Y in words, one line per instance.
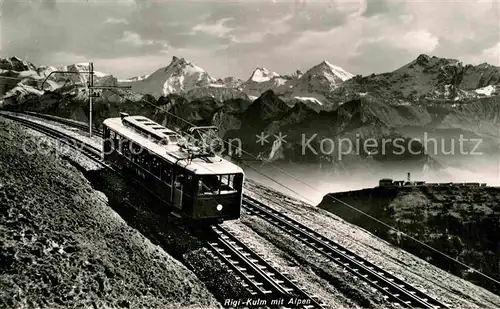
column 263, row 75
column 338, row 71
column 322, row 78
column 179, row 76
column 183, row 75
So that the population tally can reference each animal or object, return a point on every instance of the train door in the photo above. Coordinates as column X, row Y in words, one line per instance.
column 107, row 142
column 178, row 190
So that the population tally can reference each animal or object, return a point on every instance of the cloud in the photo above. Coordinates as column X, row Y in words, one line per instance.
column 135, row 39
column 418, row 41
column 112, row 20
column 490, row 55
column 217, row 29
column 232, row 37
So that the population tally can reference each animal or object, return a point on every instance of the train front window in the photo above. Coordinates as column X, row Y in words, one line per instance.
column 216, row 184
column 227, row 184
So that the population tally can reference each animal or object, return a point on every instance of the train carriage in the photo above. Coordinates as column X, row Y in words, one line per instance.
column 197, row 184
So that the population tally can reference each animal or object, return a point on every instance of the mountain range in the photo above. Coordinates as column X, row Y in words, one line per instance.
column 430, row 95
column 322, row 87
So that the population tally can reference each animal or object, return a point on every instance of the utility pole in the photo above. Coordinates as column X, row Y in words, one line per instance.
column 91, row 94
column 90, row 87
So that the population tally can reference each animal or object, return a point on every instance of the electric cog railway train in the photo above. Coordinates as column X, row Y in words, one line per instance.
column 197, row 184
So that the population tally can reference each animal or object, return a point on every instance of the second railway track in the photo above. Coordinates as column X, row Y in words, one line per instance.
column 395, row 289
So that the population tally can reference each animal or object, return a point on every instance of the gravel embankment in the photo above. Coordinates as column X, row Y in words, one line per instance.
column 63, row 246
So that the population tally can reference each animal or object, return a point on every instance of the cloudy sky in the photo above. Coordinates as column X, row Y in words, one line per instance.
column 128, row 38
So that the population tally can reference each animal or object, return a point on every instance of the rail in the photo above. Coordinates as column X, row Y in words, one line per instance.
column 391, row 286
column 259, row 277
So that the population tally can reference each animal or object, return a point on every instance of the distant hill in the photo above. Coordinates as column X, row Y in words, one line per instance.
column 460, row 221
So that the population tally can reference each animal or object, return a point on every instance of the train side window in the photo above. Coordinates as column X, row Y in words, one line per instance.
column 144, row 160
column 136, row 148
column 179, row 181
column 148, row 161
column 119, row 142
column 135, row 152
column 125, row 146
column 167, row 173
column 188, row 183
column 155, row 166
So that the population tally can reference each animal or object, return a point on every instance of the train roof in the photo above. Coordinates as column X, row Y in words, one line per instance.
column 170, row 152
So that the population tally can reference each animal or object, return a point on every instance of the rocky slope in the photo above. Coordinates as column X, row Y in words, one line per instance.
column 460, row 221
column 62, row 246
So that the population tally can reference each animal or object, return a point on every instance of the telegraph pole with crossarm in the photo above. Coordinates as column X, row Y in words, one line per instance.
column 90, row 87
column 93, row 94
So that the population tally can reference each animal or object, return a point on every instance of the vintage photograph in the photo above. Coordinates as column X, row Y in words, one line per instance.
column 165, row 154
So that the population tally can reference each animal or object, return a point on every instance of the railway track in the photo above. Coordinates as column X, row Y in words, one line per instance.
column 393, row 288
column 88, row 150
column 68, row 122
column 258, row 276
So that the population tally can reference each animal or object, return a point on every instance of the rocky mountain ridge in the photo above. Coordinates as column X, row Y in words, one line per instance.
column 323, row 87
column 366, row 107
